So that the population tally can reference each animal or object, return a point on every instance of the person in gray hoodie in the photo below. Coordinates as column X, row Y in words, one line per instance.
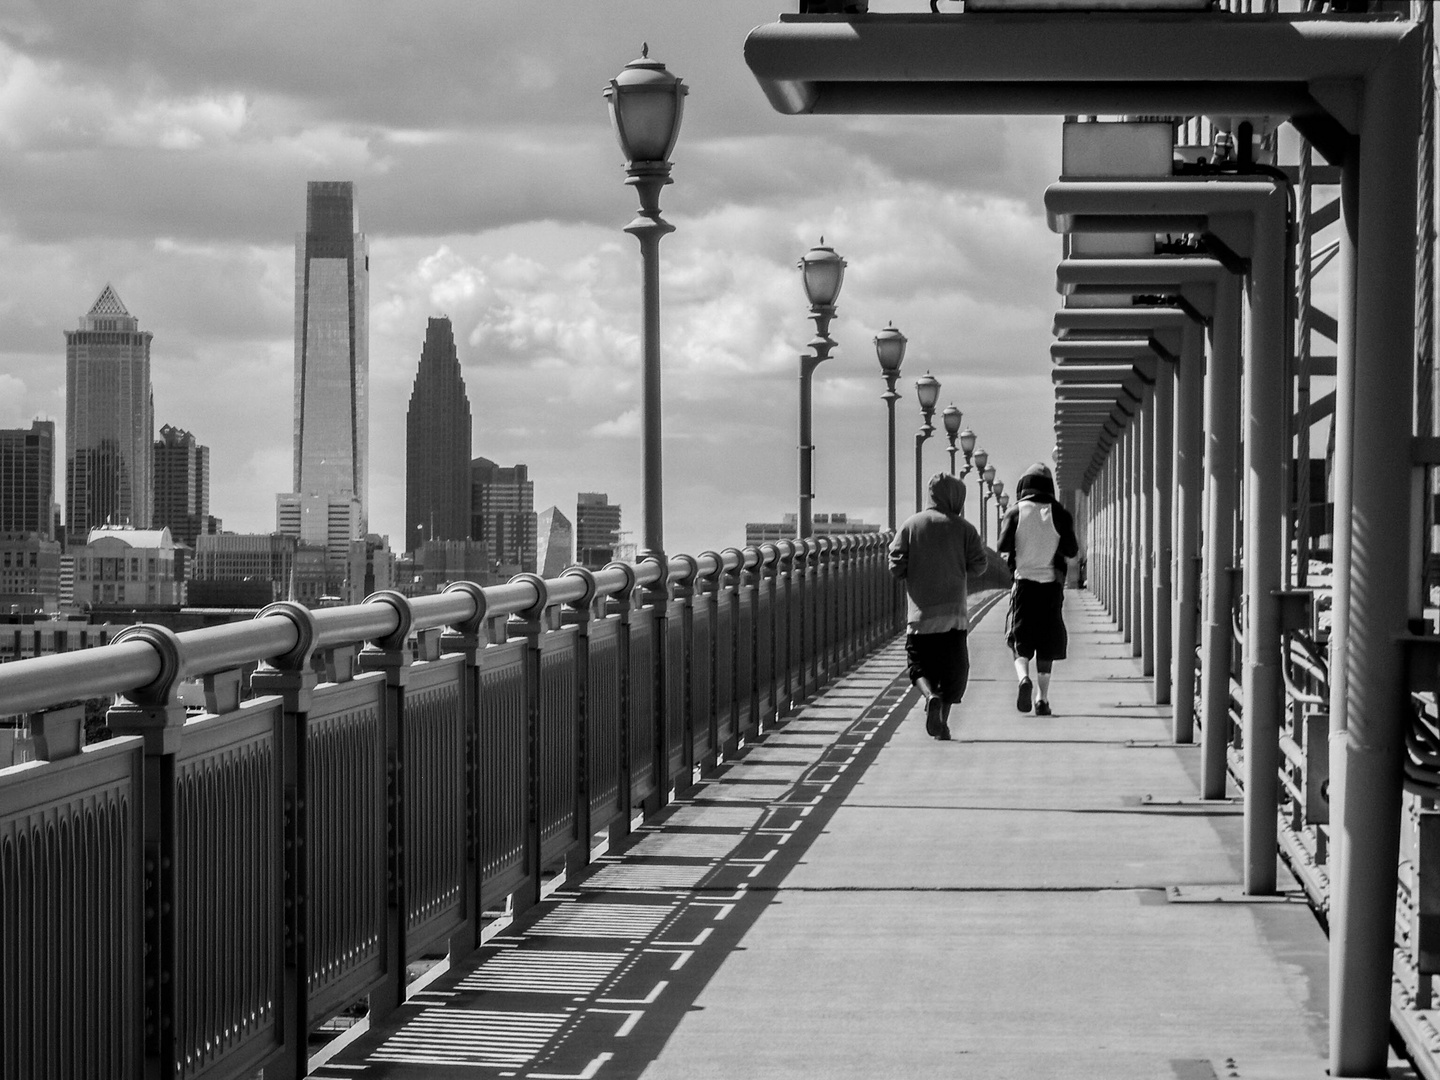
column 934, row 552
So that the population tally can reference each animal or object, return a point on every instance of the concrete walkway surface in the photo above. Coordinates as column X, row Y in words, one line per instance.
column 1041, row 897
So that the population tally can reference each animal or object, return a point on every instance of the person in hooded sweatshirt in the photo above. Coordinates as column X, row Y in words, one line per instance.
column 932, row 553
column 1037, row 536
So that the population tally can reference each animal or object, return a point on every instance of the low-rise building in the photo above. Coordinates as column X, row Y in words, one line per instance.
column 120, row 567
column 787, row 528
column 29, row 573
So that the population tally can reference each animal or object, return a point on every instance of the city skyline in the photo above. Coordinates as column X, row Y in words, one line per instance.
column 175, row 166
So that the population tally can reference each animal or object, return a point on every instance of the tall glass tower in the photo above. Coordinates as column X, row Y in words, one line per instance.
column 109, row 420
column 437, row 444
column 332, row 365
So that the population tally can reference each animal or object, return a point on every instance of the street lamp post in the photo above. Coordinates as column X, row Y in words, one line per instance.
column 979, row 458
column 927, row 389
column 997, row 489
column 890, row 349
column 987, row 474
column 1002, row 504
column 967, row 447
column 646, row 104
column 822, row 272
column 952, row 417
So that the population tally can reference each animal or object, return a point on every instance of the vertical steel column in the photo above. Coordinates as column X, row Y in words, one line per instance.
column 1189, row 452
column 1368, row 701
column 1145, row 522
column 1267, row 470
column 1222, row 440
column 1161, row 508
column 1304, row 233
column 1139, row 541
column 1126, row 537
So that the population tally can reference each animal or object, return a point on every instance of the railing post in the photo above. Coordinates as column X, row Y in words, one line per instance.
column 656, row 596
column 155, row 714
column 388, row 656
column 465, row 639
column 621, row 604
column 529, row 625
column 704, row 611
column 293, row 678
column 767, row 678
column 742, row 668
column 679, row 680
column 786, row 653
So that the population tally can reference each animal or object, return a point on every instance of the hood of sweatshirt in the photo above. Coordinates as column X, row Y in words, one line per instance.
column 947, row 494
column 1036, row 484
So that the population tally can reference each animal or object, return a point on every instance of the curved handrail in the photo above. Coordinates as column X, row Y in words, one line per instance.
column 118, row 668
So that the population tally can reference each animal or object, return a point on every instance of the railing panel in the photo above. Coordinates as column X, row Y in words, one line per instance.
column 746, row 719
column 603, row 722
column 346, row 851
column 765, row 649
column 504, row 770
column 71, row 908
column 433, row 741
column 799, row 687
column 642, row 705
column 725, row 712
column 677, row 712
column 556, row 742
column 229, row 903
column 702, row 678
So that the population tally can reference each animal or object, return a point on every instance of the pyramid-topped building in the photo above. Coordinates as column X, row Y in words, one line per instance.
column 109, row 420
column 437, row 444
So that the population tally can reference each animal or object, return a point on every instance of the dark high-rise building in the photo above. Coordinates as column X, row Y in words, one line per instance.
column 27, row 480
column 182, row 486
column 437, row 444
column 597, row 529
column 502, row 513
column 327, row 507
column 109, row 420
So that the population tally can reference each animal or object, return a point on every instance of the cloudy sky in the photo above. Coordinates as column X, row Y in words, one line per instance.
column 165, row 148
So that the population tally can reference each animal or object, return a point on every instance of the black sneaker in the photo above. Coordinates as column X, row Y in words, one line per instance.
column 1022, row 698
column 934, row 717
column 1042, row 708
column 944, row 735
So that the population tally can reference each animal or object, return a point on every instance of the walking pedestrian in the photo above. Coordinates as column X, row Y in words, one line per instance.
column 933, row 553
column 1037, row 536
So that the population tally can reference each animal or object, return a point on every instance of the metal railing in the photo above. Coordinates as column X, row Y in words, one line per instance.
column 193, row 897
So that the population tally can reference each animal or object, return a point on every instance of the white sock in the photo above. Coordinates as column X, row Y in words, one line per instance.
column 1022, row 668
column 1043, row 678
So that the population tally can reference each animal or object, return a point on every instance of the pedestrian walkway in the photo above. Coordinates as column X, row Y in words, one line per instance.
column 1041, row 897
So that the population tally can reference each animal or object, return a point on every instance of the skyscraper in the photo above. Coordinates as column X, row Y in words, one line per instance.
column 597, row 529
column 182, row 486
column 27, row 479
column 556, row 540
column 332, row 364
column 502, row 513
column 109, row 420
column 437, row 444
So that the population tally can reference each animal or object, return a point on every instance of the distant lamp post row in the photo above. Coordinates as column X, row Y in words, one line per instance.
column 927, row 389
column 890, row 349
column 823, row 272
column 646, row 105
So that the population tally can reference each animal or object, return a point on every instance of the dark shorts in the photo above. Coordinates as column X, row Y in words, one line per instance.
column 1035, row 625
column 943, row 660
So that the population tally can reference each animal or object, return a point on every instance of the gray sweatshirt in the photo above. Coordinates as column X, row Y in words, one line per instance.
column 933, row 553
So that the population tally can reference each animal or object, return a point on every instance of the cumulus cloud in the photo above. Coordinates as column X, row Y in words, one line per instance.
column 167, row 152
